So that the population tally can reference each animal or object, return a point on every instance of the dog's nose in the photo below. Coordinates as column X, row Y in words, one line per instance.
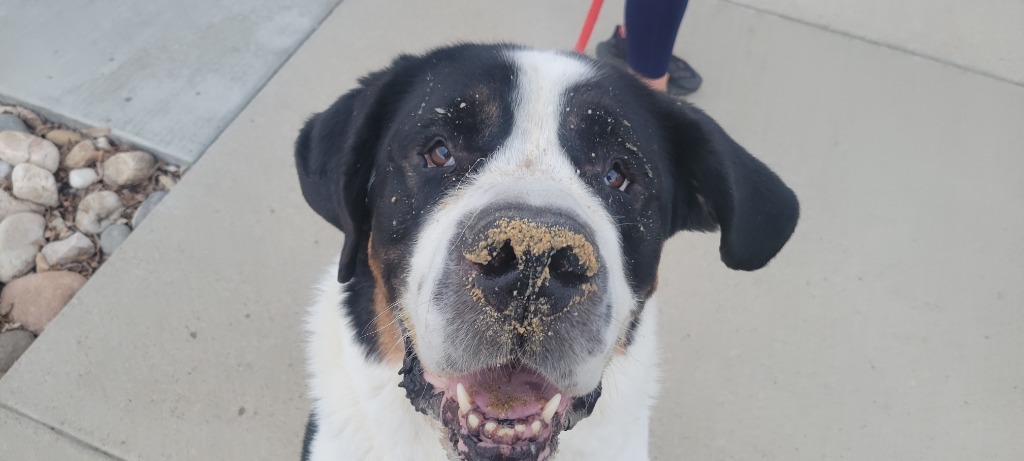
column 530, row 267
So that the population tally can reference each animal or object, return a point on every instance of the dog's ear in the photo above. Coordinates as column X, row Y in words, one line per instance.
column 720, row 185
column 335, row 154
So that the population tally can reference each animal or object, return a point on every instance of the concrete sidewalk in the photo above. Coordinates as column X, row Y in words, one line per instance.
column 166, row 75
column 890, row 327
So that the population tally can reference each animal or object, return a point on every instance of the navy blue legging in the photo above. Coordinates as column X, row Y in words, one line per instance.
column 651, row 28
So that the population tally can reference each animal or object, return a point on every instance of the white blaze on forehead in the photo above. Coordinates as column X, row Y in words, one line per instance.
column 530, row 168
column 543, row 81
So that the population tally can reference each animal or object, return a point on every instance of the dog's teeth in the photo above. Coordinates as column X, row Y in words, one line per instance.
column 465, row 403
column 550, row 408
column 536, row 427
column 473, row 419
column 520, row 430
column 489, row 428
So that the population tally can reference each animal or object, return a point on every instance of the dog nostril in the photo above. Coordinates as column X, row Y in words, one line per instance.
column 501, row 262
column 567, row 268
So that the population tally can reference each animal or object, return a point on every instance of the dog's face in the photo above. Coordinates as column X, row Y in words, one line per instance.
column 504, row 212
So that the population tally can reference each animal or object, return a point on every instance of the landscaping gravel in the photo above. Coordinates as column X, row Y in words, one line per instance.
column 68, row 199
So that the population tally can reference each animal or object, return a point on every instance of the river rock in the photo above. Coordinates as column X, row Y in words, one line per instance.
column 36, row 299
column 74, row 248
column 128, row 168
column 97, row 211
column 35, row 184
column 21, row 235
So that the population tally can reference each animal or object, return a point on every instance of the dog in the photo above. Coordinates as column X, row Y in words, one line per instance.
column 504, row 212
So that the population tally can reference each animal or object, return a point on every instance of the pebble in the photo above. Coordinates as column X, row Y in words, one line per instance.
column 17, row 147
column 35, row 184
column 41, row 264
column 128, row 168
column 21, row 235
column 10, row 205
column 11, row 122
column 96, row 131
column 166, row 182
column 103, row 143
column 63, row 138
column 113, row 237
column 12, row 344
column 5, row 169
column 83, row 154
column 58, row 224
column 38, row 298
column 146, row 207
column 80, row 178
column 71, row 249
column 97, row 211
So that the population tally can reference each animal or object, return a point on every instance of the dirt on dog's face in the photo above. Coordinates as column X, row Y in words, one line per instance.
column 504, row 212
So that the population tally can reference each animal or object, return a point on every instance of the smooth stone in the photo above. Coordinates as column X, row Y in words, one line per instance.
column 58, row 224
column 128, row 168
column 38, row 298
column 166, row 182
column 80, row 178
column 46, row 157
column 11, row 122
column 82, row 155
column 146, row 207
column 96, row 131
column 42, row 265
column 63, row 138
column 21, row 235
column 103, row 143
column 97, row 211
column 10, row 205
column 71, row 249
column 5, row 169
column 12, row 344
column 113, row 237
column 17, row 148
column 35, row 184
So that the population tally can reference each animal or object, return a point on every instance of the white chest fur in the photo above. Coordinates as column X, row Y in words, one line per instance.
column 363, row 415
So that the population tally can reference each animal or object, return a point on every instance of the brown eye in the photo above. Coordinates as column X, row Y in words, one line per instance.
column 615, row 178
column 438, row 156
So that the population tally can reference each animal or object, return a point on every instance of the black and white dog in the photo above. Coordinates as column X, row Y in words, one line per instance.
column 504, row 212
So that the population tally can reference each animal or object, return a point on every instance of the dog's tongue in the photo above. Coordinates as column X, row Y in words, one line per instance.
column 507, row 412
column 505, row 393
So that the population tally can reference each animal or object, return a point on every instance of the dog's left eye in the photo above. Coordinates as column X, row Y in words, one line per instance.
column 615, row 178
column 439, row 156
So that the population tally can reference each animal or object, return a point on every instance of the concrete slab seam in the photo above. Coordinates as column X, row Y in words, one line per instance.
column 63, row 434
column 877, row 43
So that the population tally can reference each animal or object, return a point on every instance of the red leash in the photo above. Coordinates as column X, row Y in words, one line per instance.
column 588, row 25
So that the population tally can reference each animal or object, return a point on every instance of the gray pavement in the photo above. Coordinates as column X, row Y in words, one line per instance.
column 983, row 37
column 889, row 328
column 166, row 75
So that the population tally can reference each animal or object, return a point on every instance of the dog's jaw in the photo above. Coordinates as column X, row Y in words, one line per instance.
column 507, row 413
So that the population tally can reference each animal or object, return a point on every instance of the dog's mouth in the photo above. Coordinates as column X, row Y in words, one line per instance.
column 508, row 412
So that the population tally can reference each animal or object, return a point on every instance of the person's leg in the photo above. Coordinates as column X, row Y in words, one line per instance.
column 651, row 28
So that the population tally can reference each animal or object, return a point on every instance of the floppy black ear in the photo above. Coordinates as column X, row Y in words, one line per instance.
column 720, row 185
column 334, row 156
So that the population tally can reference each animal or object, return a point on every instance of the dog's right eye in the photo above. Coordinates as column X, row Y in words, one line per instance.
column 439, row 156
column 616, row 178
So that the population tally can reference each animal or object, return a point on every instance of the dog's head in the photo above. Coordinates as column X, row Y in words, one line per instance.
column 504, row 212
